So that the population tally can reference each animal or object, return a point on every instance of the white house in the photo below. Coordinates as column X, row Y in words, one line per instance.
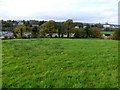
column 84, row 26
column 110, row 26
column 35, row 25
column 19, row 23
column 76, row 26
column 106, row 26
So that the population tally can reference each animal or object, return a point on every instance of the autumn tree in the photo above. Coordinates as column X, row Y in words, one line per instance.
column 79, row 32
column 15, row 32
column 20, row 29
column 68, row 26
column 48, row 28
column 95, row 32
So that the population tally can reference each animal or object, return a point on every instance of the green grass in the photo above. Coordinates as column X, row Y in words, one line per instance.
column 60, row 63
column 107, row 32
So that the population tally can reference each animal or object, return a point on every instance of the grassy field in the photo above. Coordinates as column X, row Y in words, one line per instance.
column 107, row 32
column 60, row 63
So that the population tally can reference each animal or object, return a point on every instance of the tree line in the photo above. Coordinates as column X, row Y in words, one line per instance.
column 49, row 28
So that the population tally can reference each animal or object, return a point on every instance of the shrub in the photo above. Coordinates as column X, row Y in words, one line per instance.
column 19, row 36
column 56, row 36
column 78, row 32
column 24, row 37
column 113, row 37
column 117, row 33
column 47, row 36
column 101, row 36
column 29, row 36
column 95, row 33
column 42, row 36
column 34, row 35
column 11, row 37
column 6, row 37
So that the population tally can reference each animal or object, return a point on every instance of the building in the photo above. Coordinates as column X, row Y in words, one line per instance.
column 110, row 26
column 77, row 27
column 20, row 22
column 35, row 25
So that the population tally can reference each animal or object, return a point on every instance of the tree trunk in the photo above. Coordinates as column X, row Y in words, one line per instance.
column 62, row 35
column 51, row 35
column 68, row 35
column 14, row 34
column 58, row 33
column 21, row 32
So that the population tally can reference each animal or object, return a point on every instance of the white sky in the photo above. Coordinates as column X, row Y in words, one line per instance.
column 90, row 11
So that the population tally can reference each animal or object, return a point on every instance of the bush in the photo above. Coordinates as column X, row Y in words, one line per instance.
column 56, row 36
column 47, row 36
column 117, row 33
column 24, row 37
column 42, row 36
column 29, row 36
column 6, row 37
column 101, row 36
column 95, row 33
column 11, row 37
column 34, row 35
column 113, row 37
column 19, row 36
column 78, row 32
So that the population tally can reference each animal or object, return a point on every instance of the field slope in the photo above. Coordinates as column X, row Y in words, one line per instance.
column 60, row 63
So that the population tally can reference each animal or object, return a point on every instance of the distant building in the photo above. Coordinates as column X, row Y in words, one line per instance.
column 14, row 24
column 109, row 26
column 76, row 26
column 84, row 26
column 106, row 26
column 35, row 25
column 19, row 23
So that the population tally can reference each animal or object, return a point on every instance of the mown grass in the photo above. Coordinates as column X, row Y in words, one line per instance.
column 60, row 63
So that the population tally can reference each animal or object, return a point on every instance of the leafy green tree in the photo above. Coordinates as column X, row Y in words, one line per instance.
column 35, row 32
column 60, row 29
column 15, row 32
column 99, row 25
column 95, row 32
column 27, row 23
column 79, row 32
column 48, row 28
column 78, row 24
column 87, row 31
column 68, row 26
column 41, row 22
column 20, row 29
column 117, row 33
column 7, row 25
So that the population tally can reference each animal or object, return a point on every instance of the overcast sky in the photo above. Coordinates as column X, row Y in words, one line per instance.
column 87, row 11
